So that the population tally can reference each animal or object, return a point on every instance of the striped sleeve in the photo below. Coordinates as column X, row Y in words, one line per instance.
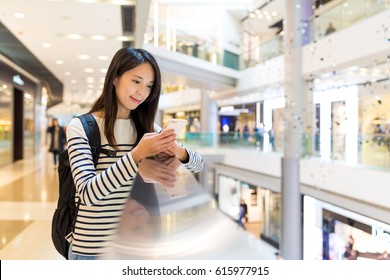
column 195, row 161
column 93, row 187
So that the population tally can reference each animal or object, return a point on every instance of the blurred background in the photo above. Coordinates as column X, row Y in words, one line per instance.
column 287, row 101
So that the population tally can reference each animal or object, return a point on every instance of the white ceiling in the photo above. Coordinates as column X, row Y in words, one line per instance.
column 50, row 21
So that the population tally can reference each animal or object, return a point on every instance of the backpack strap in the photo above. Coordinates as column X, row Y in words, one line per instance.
column 92, row 131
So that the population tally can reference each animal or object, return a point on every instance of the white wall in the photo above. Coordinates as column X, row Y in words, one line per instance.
column 231, row 34
column 359, row 183
column 179, row 99
column 265, row 74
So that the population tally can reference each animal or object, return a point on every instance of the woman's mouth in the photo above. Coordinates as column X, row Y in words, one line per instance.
column 135, row 100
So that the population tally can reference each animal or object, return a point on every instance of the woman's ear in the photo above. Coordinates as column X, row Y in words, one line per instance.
column 115, row 82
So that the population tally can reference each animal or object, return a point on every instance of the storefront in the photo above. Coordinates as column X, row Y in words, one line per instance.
column 374, row 124
column 334, row 233
column 264, row 206
column 17, row 115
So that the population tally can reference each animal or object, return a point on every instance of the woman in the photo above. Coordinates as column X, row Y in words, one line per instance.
column 125, row 113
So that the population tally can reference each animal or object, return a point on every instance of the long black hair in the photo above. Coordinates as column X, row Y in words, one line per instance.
column 143, row 116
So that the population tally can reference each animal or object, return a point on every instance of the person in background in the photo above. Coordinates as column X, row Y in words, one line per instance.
column 242, row 214
column 57, row 139
column 330, row 29
column 125, row 113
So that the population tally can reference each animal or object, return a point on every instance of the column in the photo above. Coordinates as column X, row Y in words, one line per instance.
column 208, row 120
column 292, row 232
column 209, row 134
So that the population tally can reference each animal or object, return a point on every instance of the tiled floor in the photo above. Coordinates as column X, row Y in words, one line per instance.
column 28, row 194
column 28, row 191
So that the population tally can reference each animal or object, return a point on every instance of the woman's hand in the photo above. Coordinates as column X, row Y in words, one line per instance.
column 154, row 143
column 176, row 151
column 155, row 171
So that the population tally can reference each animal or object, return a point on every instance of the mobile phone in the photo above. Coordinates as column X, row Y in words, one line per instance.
column 178, row 190
column 177, row 124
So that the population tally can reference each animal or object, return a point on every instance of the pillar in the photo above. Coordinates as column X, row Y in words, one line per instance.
column 292, row 223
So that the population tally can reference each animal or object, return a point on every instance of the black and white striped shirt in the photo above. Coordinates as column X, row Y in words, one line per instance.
column 105, row 189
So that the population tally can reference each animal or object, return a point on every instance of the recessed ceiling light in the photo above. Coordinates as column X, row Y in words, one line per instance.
column 84, row 56
column 102, row 57
column 67, row 73
column 86, row 1
column 125, row 38
column 19, row 15
column 46, row 45
column 98, row 37
column 88, row 70
column 123, row 2
column 104, row 71
column 59, row 61
column 73, row 36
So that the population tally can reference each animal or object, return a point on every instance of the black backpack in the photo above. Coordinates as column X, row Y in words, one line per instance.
column 64, row 218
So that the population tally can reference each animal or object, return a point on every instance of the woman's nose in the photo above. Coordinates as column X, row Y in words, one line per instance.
column 142, row 91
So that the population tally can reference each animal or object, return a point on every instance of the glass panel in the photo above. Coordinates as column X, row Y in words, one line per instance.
column 28, row 108
column 271, row 216
column 5, row 123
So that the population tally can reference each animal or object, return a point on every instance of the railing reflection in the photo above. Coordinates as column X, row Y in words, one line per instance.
column 170, row 216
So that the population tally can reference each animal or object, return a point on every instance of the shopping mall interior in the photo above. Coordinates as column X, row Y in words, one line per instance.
column 285, row 100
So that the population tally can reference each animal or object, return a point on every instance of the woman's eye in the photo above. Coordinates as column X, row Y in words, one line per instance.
column 136, row 82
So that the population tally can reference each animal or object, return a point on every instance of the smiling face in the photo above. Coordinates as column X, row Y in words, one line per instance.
column 133, row 88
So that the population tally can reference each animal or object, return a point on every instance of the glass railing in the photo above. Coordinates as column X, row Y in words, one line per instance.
column 271, row 49
column 344, row 15
column 368, row 150
column 341, row 16
column 179, row 41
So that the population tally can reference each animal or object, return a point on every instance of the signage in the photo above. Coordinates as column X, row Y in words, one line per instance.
column 18, row 80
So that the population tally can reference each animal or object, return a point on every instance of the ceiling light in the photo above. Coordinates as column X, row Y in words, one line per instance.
column 86, row 1
column 123, row 2
column 125, row 38
column 84, row 56
column 58, row 61
column 102, row 57
column 19, row 15
column 98, row 37
column 90, row 80
column 104, row 71
column 67, row 73
column 88, row 70
column 46, row 45
column 73, row 36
